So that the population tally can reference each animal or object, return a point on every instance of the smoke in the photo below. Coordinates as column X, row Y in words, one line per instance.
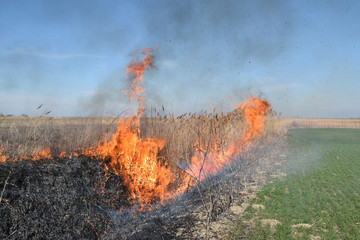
column 210, row 43
column 108, row 98
column 47, row 39
column 242, row 30
column 203, row 45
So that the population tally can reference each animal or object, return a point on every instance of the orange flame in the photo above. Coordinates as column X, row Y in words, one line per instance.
column 255, row 110
column 211, row 159
column 35, row 155
column 2, row 157
column 43, row 154
column 147, row 178
column 136, row 160
column 63, row 155
column 136, row 70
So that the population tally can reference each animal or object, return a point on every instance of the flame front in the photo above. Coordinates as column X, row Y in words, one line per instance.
column 211, row 159
column 136, row 160
column 255, row 110
column 147, row 178
column 43, row 154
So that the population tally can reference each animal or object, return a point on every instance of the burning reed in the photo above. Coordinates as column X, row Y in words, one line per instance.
column 157, row 158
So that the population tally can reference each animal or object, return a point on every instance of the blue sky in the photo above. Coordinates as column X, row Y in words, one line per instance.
column 303, row 56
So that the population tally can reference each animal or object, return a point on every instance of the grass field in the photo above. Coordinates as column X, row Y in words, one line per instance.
column 319, row 122
column 320, row 196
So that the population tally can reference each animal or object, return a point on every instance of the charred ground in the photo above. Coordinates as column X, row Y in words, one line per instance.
column 77, row 198
column 57, row 199
column 63, row 198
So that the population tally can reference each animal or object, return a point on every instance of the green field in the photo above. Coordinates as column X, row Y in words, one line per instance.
column 320, row 196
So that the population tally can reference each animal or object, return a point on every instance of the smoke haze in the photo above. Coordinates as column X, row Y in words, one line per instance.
column 207, row 52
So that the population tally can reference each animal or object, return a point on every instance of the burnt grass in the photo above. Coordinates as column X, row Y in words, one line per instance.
column 77, row 199
column 57, row 199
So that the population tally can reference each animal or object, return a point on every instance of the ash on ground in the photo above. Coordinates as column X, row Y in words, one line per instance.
column 57, row 199
column 77, row 199
column 210, row 209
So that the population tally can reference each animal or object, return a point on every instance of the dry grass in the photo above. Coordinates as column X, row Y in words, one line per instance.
column 180, row 134
column 22, row 136
column 319, row 123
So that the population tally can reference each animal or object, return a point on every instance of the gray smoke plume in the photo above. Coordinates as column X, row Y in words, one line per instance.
column 206, row 38
column 199, row 40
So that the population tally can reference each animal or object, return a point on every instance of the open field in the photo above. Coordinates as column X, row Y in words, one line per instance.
column 319, row 197
column 319, row 122
column 66, row 134
column 36, row 187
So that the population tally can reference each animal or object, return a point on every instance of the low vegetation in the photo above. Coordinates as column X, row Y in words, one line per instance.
column 319, row 197
column 320, row 122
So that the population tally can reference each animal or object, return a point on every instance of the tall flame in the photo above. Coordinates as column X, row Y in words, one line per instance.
column 255, row 110
column 136, row 160
column 211, row 159
column 147, row 178
column 136, row 70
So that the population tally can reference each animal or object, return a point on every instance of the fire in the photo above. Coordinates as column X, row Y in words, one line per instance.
column 136, row 160
column 35, row 155
column 136, row 70
column 63, row 155
column 147, row 178
column 43, row 154
column 2, row 157
column 255, row 110
column 212, row 158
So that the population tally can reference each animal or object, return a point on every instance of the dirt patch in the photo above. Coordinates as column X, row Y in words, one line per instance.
column 304, row 225
column 315, row 237
column 271, row 222
column 278, row 175
column 258, row 206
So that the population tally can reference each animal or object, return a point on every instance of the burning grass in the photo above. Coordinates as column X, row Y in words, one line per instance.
column 62, row 185
column 158, row 159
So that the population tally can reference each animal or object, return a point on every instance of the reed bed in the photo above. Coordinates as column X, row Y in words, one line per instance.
column 20, row 137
